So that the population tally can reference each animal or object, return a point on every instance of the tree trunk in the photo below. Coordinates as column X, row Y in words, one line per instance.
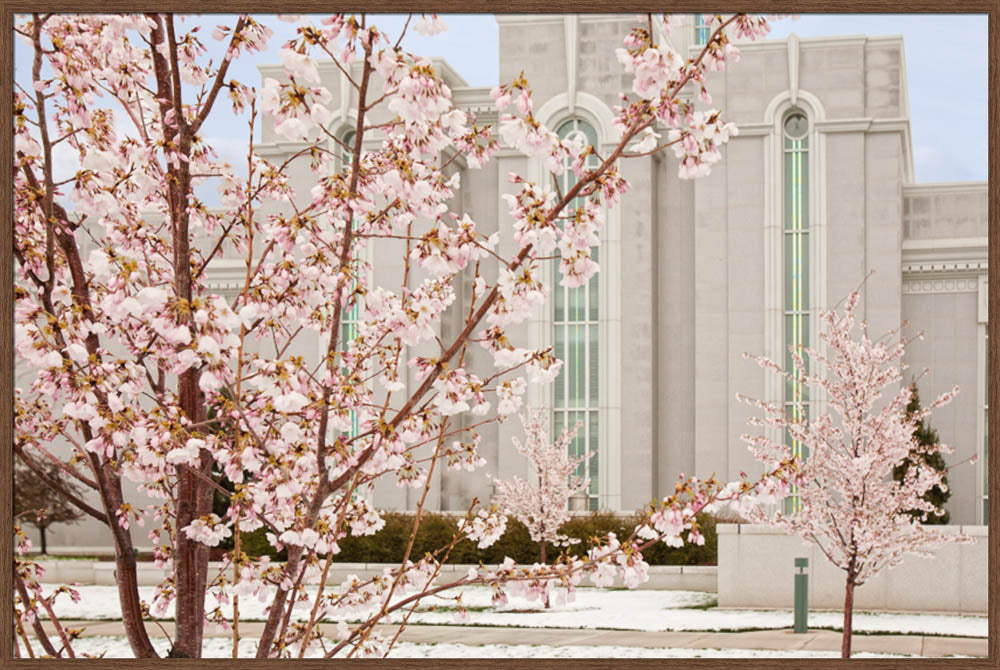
column 194, row 497
column 125, row 564
column 128, row 599
column 190, row 565
column 45, row 546
column 845, row 645
column 545, row 596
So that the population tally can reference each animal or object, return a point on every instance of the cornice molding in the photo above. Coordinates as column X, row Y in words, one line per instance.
column 949, row 267
column 849, row 125
column 476, row 100
column 934, row 256
column 944, row 265
column 820, row 42
column 947, row 188
column 753, row 130
column 268, row 149
column 844, row 126
column 224, row 274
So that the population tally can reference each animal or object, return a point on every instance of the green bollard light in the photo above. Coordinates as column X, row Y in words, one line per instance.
column 801, row 595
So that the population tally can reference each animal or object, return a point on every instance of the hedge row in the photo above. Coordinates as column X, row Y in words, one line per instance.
column 437, row 530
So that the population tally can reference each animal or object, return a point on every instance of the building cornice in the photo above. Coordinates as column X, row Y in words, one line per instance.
column 809, row 43
column 271, row 149
column 953, row 265
column 821, row 41
column 949, row 247
column 848, row 125
column 225, row 274
column 946, row 188
column 949, row 266
column 477, row 100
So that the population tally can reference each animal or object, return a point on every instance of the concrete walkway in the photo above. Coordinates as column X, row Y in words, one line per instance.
column 786, row 640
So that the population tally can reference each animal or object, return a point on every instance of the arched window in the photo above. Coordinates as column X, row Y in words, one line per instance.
column 576, row 339
column 349, row 317
column 796, row 273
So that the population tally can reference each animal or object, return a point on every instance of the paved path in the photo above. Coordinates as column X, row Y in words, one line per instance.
column 819, row 640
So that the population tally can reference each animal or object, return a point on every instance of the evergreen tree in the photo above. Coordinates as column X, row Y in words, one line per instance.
column 926, row 436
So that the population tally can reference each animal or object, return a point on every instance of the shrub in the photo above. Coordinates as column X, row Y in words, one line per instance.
column 436, row 530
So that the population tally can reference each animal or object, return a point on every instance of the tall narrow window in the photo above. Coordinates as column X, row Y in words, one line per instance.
column 796, row 275
column 576, row 339
column 349, row 316
column 701, row 29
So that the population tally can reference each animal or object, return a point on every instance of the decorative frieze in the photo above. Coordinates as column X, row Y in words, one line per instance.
column 941, row 285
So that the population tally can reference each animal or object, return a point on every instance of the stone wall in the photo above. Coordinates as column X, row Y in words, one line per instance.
column 663, row 577
column 756, row 570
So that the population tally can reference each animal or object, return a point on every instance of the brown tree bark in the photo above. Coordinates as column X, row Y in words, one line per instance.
column 194, row 497
column 545, row 598
column 128, row 598
column 125, row 564
column 845, row 645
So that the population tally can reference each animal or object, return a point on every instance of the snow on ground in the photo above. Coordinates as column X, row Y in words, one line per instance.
column 117, row 647
column 645, row 610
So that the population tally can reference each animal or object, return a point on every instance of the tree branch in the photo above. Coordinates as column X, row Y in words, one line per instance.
column 57, row 486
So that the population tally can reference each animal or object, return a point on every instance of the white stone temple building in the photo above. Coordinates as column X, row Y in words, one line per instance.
column 814, row 194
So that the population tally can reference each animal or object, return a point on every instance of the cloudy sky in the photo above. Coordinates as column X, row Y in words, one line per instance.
column 946, row 66
column 946, row 69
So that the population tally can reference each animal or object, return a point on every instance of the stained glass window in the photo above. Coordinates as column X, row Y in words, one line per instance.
column 349, row 317
column 701, row 29
column 576, row 312
column 796, row 277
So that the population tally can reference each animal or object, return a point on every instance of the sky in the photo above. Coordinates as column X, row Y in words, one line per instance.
column 946, row 69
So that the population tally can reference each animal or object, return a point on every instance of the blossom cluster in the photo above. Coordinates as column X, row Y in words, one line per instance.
column 661, row 73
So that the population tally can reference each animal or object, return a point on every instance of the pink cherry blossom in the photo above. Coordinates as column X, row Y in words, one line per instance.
column 430, row 25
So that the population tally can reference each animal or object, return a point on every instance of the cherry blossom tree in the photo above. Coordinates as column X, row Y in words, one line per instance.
column 543, row 507
column 849, row 504
column 156, row 384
